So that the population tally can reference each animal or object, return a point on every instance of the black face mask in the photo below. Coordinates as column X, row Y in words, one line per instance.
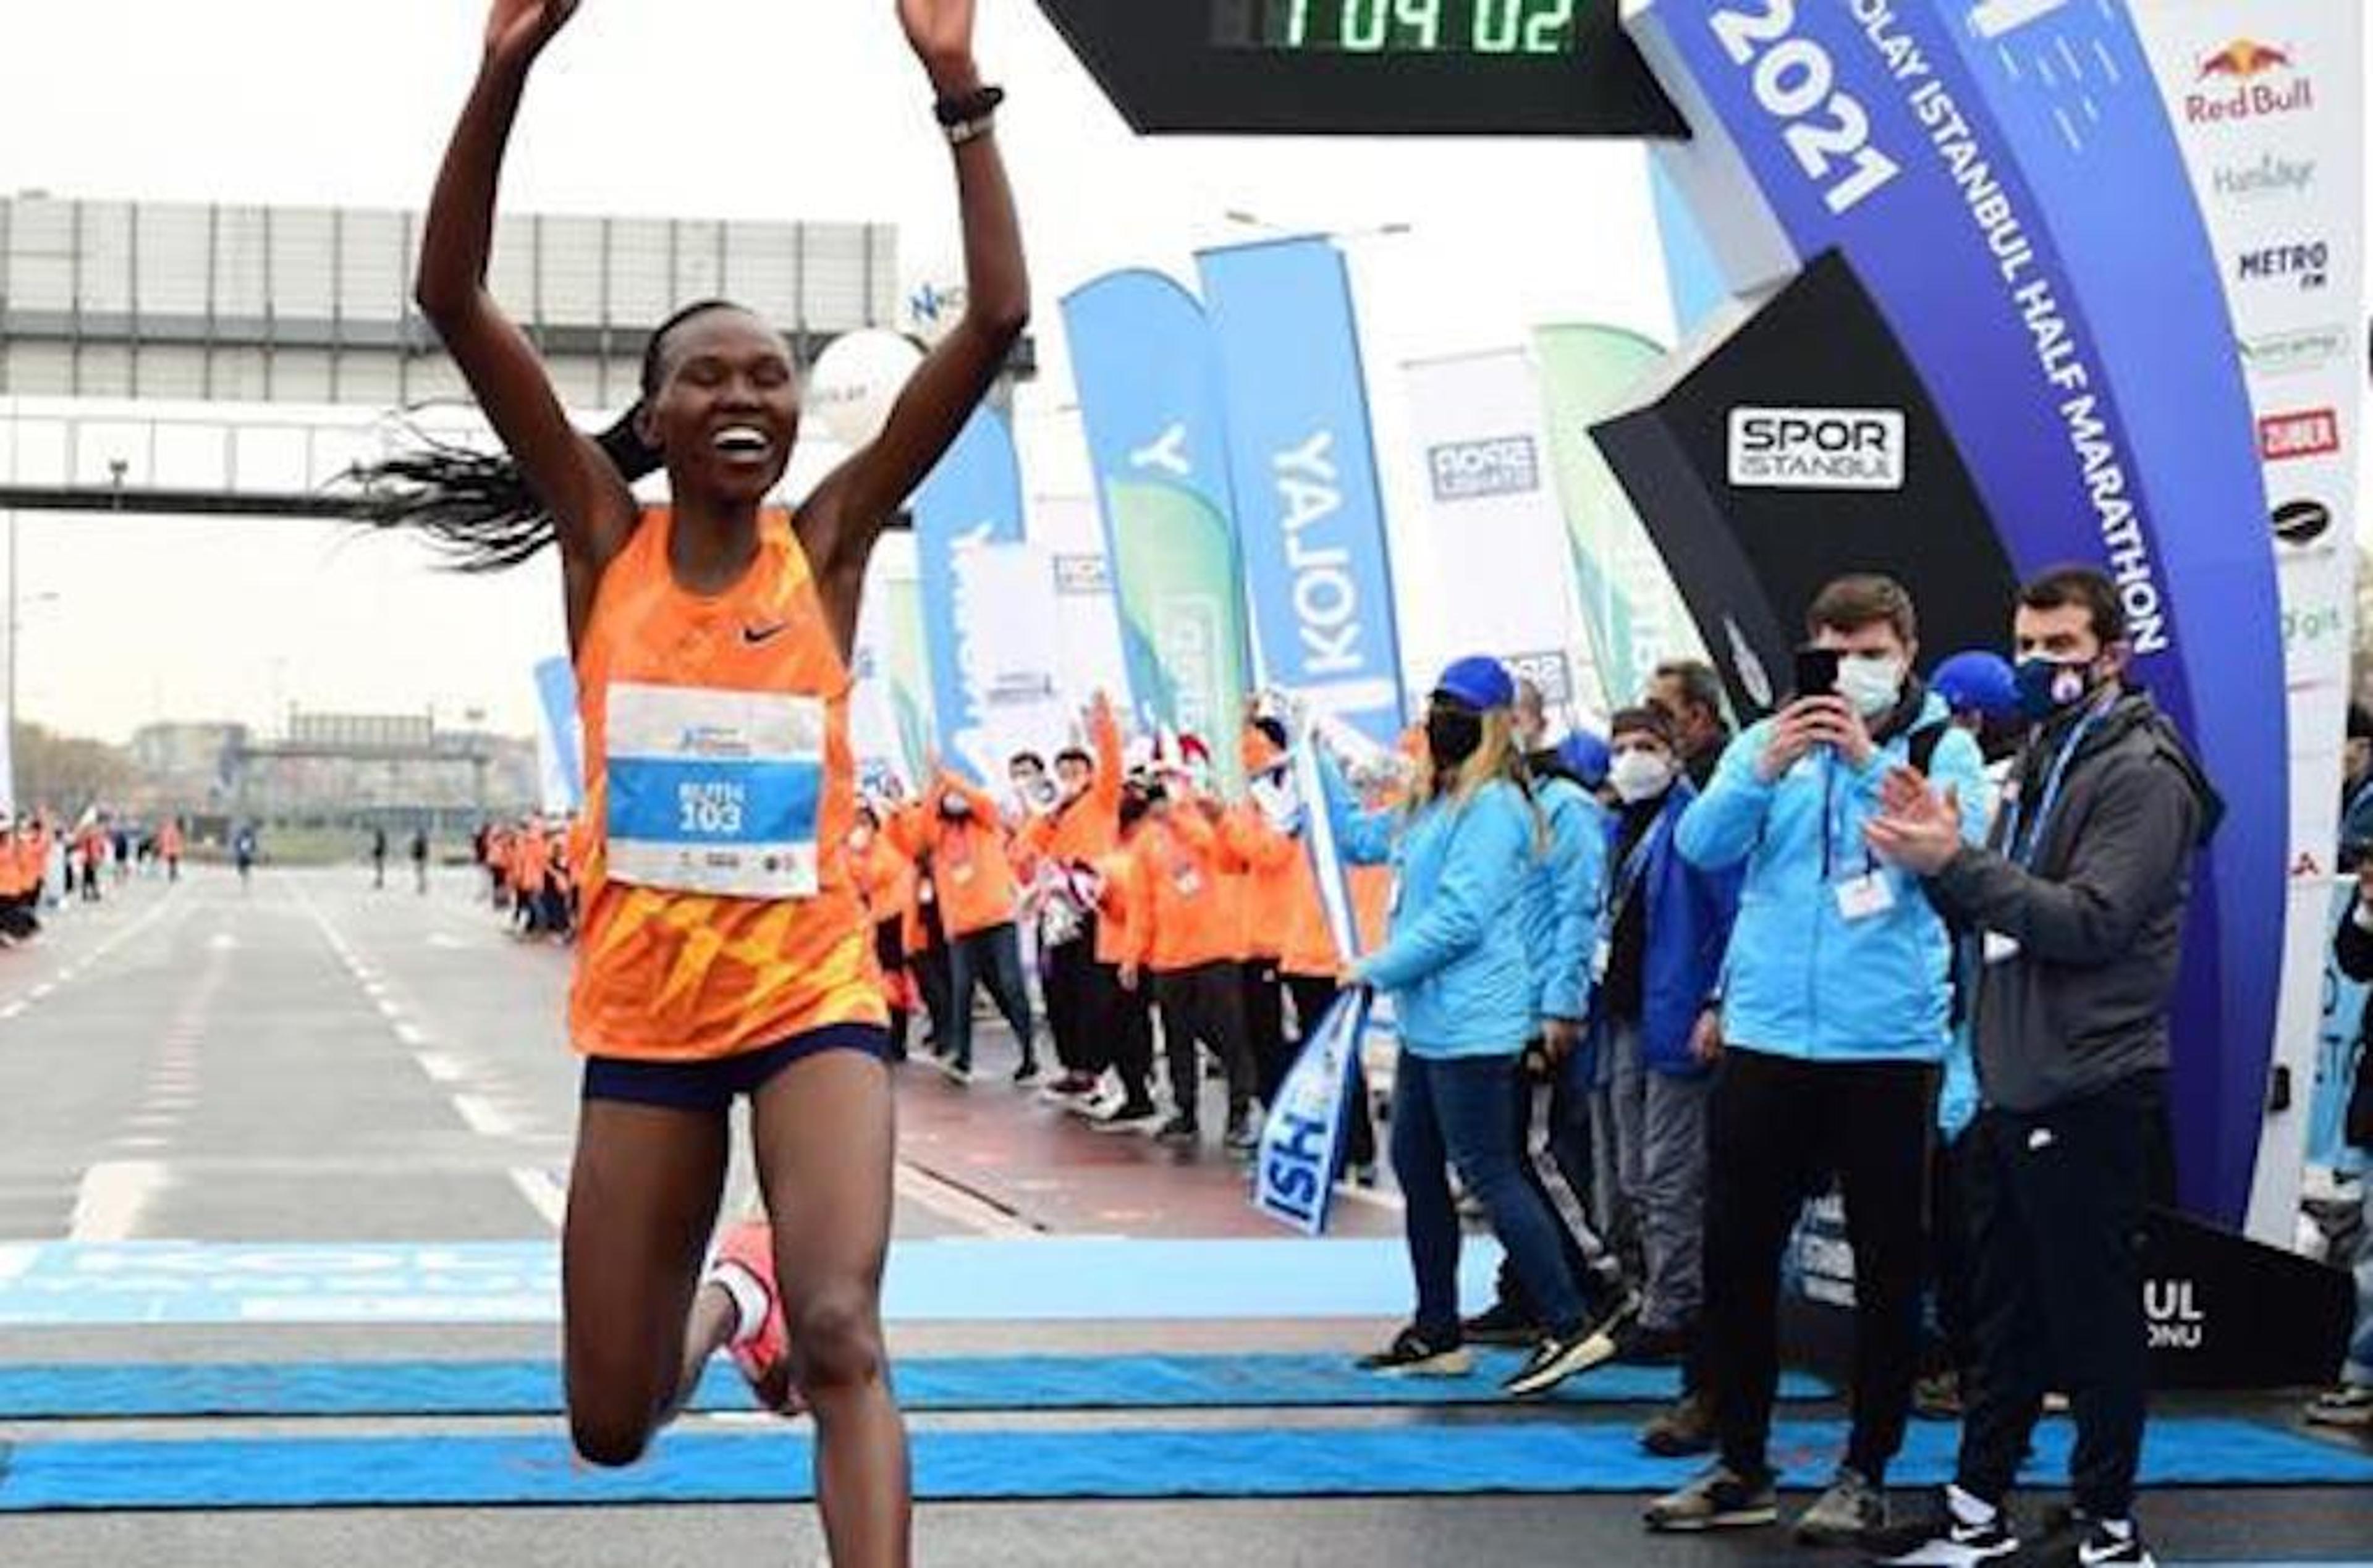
column 1453, row 734
column 1133, row 804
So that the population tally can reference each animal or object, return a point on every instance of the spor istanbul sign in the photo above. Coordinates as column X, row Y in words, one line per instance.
column 1816, row 448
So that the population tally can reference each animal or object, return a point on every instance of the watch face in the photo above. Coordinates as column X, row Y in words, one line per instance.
column 1369, row 67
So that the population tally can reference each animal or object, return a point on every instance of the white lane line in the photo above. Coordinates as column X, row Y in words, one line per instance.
column 151, row 1120
column 12, row 1010
column 140, row 1142
column 387, row 1009
column 441, row 1068
column 485, row 1117
column 543, row 1192
column 410, row 1033
column 172, row 1100
column 950, row 1202
column 114, row 1192
column 41, row 990
column 221, row 942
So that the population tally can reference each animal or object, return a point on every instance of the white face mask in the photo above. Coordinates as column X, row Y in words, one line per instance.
column 1872, row 685
column 1638, row 775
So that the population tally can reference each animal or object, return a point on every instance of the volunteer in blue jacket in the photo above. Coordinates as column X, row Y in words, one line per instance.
column 1661, row 930
column 1462, row 848
column 1836, row 1010
column 1551, row 1108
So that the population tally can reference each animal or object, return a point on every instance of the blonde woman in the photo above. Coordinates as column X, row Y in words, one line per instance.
column 1455, row 963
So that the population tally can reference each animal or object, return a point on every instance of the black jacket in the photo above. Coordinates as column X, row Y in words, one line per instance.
column 2098, row 918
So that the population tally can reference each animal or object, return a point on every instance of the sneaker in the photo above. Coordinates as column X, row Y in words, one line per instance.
column 1028, row 1071
column 1364, row 1175
column 1640, row 1345
column 1412, row 1356
column 1125, row 1117
column 2072, row 1539
column 1683, row 1431
column 1072, row 1086
column 761, row 1350
column 1943, row 1540
column 1501, row 1324
column 1552, row 1362
column 1243, row 1134
column 1937, row 1397
column 1848, row 1511
column 2351, row 1404
column 1179, row 1132
column 956, row 1073
column 1721, row 1499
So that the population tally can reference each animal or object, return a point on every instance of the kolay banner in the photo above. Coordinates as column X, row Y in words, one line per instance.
column 2267, row 100
column 1308, row 505
column 1496, row 534
column 1149, row 383
column 973, row 499
column 2026, row 229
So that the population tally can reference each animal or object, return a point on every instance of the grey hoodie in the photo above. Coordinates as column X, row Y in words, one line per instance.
column 2099, row 920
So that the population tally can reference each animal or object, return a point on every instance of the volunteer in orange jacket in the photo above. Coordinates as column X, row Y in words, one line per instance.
column 1061, row 847
column 1127, row 1023
column 972, row 870
column 1186, row 941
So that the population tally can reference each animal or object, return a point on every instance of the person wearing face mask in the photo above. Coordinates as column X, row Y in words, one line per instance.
column 1661, row 928
column 2356, row 789
column 972, row 874
column 1058, row 847
column 1461, row 847
column 886, row 884
column 1293, row 953
column 1836, row 1008
column 2078, row 903
column 1691, row 693
column 1551, row 1101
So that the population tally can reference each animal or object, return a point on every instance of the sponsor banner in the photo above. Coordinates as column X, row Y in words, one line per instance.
column 884, row 750
column 1302, row 1141
column 972, row 500
column 1149, row 383
column 1816, row 448
column 1633, row 614
column 1309, row 510
column 2022, row 227
column 2266, row 98
column 559, row 740
column 1006, row 651
column 1494, row 533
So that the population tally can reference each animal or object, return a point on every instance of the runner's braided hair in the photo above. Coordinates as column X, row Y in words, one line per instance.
column 479, row 508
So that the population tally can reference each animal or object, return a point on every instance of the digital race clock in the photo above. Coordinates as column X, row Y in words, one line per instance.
column 1371, row 67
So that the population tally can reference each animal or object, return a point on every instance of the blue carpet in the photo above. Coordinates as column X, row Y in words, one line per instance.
column 947, row 1384
column 989, row 1465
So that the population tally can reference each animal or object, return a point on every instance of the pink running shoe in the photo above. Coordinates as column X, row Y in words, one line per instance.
column 764, row 1356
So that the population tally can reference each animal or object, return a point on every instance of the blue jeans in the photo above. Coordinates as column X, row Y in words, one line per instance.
column 993, row 958
column 1454, row 1109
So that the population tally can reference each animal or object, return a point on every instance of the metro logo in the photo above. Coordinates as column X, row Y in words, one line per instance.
column 2311, row 433
column 2243, row 66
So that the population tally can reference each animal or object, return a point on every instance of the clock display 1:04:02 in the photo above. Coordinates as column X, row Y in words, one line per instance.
column 1513, row 28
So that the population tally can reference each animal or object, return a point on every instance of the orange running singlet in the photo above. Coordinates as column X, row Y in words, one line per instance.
column 717, row 760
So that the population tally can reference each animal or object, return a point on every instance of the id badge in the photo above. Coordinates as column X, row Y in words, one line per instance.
column 1999, row 949
column 1865, row 897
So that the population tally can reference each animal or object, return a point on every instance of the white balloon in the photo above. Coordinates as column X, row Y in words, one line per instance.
column 854, row 382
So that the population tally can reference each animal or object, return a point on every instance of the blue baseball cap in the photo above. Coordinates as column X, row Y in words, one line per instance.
column 1585, row 756
column 1478, row 682
column 1978, row 683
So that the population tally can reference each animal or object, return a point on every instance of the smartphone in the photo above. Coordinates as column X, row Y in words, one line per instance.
column 1816, row 672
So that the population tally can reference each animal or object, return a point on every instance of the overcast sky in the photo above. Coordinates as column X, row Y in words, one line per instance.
column 746, row 108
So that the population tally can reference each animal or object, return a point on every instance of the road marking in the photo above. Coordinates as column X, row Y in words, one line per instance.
column 140, row 1141
column 485, row 1117
column 543, row 1192
column 410, row 1033
column 926, row 1189
column 41, row 990
column 112, row 1195
column 441, row 1068
column 221, row 942
column 11, row 1010
column 151, row 1119
column 387, row 1009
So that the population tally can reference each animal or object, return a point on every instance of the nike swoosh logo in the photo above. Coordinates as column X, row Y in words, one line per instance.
column 754, row 635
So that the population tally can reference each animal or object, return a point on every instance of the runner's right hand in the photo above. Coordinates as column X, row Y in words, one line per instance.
column 517, row 31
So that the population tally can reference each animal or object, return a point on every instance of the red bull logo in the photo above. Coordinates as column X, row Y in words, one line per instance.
column 2249, row 80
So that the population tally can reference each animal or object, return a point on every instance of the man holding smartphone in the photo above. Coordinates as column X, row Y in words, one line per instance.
column 1836, row 1008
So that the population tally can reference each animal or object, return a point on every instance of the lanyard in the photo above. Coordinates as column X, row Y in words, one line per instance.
column 2026, row 832
column 1629, row 874
column 1831, row 815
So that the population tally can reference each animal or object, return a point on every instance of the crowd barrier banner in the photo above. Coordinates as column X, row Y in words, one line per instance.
column 1309, row 508
column 2003, row 180
column 1497, row 538
column 1149, row 385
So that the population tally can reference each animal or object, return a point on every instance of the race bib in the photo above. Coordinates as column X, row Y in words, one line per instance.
column 715, row 792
